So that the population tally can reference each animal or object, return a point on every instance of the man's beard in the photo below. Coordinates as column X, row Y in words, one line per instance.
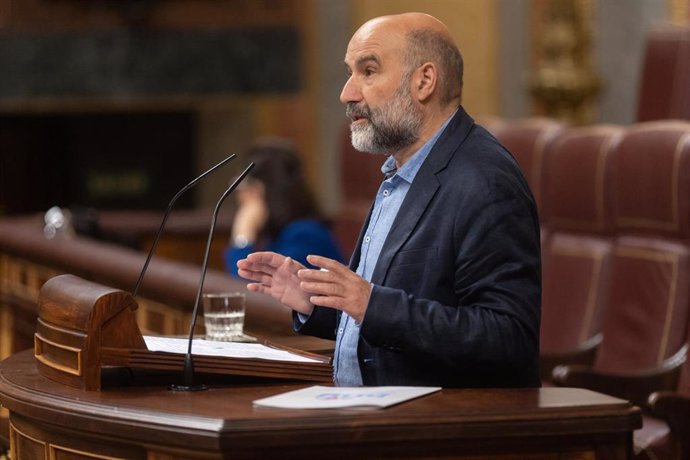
column 388, row 129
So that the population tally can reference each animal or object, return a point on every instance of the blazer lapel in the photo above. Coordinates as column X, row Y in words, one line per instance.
column 422, row 190
column 357, row 252
column 413, row 207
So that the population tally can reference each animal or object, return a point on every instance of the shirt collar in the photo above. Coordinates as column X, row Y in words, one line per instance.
column 411, row 167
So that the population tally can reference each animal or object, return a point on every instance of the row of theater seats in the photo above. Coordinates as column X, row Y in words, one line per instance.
column 614, row 207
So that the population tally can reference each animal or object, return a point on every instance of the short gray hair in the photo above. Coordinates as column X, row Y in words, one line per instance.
column 425, row 45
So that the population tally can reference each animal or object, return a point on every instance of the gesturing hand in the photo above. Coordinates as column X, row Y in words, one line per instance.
column 276, row 275
column 252, row 212
column 335, row 286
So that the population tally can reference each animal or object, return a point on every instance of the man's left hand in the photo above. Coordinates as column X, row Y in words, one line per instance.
column 335, row 286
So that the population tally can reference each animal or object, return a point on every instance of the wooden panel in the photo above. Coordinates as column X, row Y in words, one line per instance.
column 33, row 441
column 138, row 412
column 24, row 446
column 127, row 63
column 168, row 292
column 79, row 15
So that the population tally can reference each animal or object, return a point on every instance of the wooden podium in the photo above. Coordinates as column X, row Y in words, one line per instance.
column 84, row 327
column 87, row 332
column 142, row 419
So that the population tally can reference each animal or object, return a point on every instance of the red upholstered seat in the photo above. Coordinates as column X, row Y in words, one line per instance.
column 575, row 258
column 528, row 139
column 665, row 82
column 666, row 212
column 647, row 310
column 645, row 323
column 666, row 433
column 655, row 440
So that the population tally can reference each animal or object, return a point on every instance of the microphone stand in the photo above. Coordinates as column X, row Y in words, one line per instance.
column 167, row 214
column 188, row 383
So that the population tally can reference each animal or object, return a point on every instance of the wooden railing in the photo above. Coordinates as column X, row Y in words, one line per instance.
column 167, row 294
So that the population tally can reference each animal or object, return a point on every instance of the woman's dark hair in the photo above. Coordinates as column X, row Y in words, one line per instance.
column 288, row 197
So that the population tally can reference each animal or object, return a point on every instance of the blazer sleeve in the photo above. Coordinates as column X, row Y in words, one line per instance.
column 321, row 323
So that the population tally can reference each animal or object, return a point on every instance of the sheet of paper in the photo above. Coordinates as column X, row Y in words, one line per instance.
column 321, row 397
column 226, row 349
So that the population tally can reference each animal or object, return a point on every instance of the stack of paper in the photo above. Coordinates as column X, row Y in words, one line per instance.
column 214, row 357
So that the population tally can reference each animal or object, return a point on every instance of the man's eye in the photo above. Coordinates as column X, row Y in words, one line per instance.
column 369, row 71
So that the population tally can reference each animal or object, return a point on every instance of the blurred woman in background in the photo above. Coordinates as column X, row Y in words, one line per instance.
column 276, row 211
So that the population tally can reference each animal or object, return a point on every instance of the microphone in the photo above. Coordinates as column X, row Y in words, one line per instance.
column 167, row 214
column 188, row 383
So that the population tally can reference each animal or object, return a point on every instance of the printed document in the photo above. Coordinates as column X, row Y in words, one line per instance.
column 321, row 397
column 227, row 349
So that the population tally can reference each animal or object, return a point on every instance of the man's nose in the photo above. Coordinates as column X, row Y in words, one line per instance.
column 350, row 92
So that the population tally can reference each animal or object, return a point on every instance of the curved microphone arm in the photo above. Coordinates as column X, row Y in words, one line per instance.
column 188, row 384
column 167, row 214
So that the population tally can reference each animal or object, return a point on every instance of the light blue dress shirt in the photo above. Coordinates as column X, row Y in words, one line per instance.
column 388, row 200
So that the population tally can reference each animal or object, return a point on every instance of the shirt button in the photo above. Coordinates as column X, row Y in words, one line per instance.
column 367, row 239
column 340, row 331
column 386, row 192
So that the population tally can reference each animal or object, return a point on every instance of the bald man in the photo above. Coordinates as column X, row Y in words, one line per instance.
column 444, row 285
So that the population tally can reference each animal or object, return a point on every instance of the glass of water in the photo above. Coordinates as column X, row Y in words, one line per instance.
column 224, row 316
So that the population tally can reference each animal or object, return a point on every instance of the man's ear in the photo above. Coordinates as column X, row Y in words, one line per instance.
column 425, row 80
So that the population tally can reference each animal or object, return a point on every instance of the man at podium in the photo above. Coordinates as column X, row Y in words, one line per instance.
column 444, row 285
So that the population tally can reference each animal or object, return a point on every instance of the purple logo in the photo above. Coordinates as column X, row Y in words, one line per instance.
column 351, row 396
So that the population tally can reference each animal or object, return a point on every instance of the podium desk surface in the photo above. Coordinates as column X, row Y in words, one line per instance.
column 137, row 416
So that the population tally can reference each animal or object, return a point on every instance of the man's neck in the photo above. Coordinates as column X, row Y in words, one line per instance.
column 429, row 128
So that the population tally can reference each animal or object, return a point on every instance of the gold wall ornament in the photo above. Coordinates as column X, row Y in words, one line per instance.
column 565, row 84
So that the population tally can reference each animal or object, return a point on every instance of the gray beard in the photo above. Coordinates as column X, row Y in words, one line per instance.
column 392, row 127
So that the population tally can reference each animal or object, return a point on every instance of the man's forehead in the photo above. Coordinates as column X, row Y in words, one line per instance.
column 373, row 46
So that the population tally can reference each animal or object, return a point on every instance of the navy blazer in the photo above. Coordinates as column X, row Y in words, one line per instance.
column 457, row 287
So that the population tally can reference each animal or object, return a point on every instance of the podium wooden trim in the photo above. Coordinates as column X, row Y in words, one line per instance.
column 40, row 351
column 85, row 326
column 76, row 319
column 138, row 417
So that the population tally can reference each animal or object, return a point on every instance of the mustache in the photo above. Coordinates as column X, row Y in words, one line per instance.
column 353, row 110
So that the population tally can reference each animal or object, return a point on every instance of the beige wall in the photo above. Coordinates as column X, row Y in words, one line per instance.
column 679, row 11
column 473, row 24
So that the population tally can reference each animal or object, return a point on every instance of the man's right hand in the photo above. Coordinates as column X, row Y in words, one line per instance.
column 276, row 275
